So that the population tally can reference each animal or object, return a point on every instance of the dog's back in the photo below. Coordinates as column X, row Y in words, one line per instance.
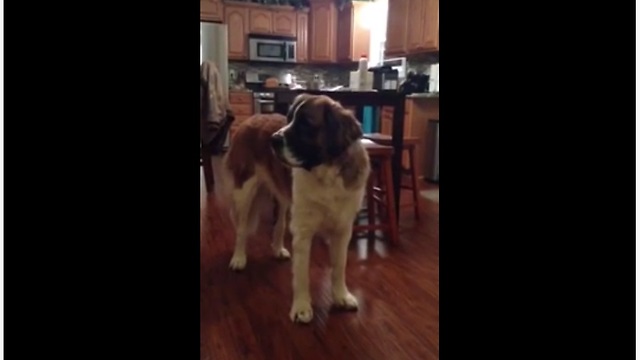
column 252, row 177
column 250, row 153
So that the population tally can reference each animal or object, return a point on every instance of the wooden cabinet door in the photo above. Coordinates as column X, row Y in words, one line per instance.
column 414, row 39
column 360, row 39
column 397, row 25
column 354, row 37
column 260, row 21
column 284, row 23
column 361, row 33
column 386, row 120
column 323, row 32
column 237, row 24
column 211, row 10
column 430, row 25
column 344, row 50
column 386, row 126
column 302, row 43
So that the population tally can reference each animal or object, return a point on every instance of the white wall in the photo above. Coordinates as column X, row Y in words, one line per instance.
column 376, row 19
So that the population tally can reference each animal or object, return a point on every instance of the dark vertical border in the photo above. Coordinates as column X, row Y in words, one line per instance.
column 536, row 221
column 101, row 180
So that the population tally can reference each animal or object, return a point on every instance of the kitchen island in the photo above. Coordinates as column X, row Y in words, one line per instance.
column 360, row 99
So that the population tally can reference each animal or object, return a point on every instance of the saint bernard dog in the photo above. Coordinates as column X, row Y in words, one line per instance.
column 313, row 164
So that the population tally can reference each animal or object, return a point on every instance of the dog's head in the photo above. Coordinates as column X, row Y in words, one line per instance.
column 318, row 131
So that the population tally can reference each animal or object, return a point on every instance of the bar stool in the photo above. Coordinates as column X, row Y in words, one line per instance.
column 378, row 192
column 408, row 144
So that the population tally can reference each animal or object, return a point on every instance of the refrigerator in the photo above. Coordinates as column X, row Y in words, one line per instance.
column 214, row 45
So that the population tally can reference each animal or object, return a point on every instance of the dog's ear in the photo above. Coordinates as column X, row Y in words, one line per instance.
column 343, row 129
column 297, row 102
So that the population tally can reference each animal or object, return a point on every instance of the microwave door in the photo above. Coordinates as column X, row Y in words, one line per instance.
column 273, row 51
column 290, row 52
column 285, row 51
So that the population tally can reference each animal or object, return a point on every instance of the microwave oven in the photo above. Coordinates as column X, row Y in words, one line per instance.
column 271, row 48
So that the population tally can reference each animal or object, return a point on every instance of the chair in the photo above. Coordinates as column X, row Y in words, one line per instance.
column 408, row 144
column 379, row 193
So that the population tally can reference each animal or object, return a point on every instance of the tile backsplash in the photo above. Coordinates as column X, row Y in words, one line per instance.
column 333, row 75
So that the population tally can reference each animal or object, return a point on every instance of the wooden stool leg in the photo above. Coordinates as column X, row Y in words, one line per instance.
column 379, row 181
column 371, row 215
column 414, row 180
column 207, row 168
column 391, row 203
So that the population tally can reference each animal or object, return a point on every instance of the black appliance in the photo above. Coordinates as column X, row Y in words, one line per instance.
column 414, row 83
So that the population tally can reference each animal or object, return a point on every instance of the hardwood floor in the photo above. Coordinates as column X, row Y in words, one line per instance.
column 245, row 315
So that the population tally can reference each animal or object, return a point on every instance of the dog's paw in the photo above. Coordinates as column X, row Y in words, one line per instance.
column 345, row 302
column 238, row 262
column 281, row 254
column 301, row 312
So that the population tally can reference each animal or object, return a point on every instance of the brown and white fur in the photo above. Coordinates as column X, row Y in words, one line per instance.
column 311, row 162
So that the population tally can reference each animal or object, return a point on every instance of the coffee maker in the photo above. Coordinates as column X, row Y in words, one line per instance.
column 415, row 83
column 385, row 78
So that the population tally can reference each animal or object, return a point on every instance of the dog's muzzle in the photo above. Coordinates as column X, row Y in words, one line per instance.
column 279, row 146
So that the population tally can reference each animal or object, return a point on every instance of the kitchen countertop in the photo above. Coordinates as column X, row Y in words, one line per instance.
column 424, row 95
column 349, row 98
column 327, row 92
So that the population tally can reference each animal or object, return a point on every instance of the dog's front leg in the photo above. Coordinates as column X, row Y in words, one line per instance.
column 301, row 310
column 338, row 249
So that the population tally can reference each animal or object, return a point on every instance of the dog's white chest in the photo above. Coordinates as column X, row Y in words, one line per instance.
column 325, row 191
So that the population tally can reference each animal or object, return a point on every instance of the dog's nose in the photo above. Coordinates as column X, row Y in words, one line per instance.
column 277, row 141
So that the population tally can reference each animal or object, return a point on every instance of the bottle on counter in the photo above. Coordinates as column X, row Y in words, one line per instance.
column 363, row 66
column 363, row 63
column 315, row 83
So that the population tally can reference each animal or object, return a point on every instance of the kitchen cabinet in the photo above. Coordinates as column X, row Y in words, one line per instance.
column 211, row 10
column 272, row 22
column 241, row 103
column 354, row 39
column 431, row 25
column 412, row 27
column 418, row 112
column 236, row 18
column 323, row 32
column 415, row 22
column 386, row 125
column 397, row 26
column 338, row 35
column 316, row 29
column 302, row 44
column 260, row 21
column 284, row 23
